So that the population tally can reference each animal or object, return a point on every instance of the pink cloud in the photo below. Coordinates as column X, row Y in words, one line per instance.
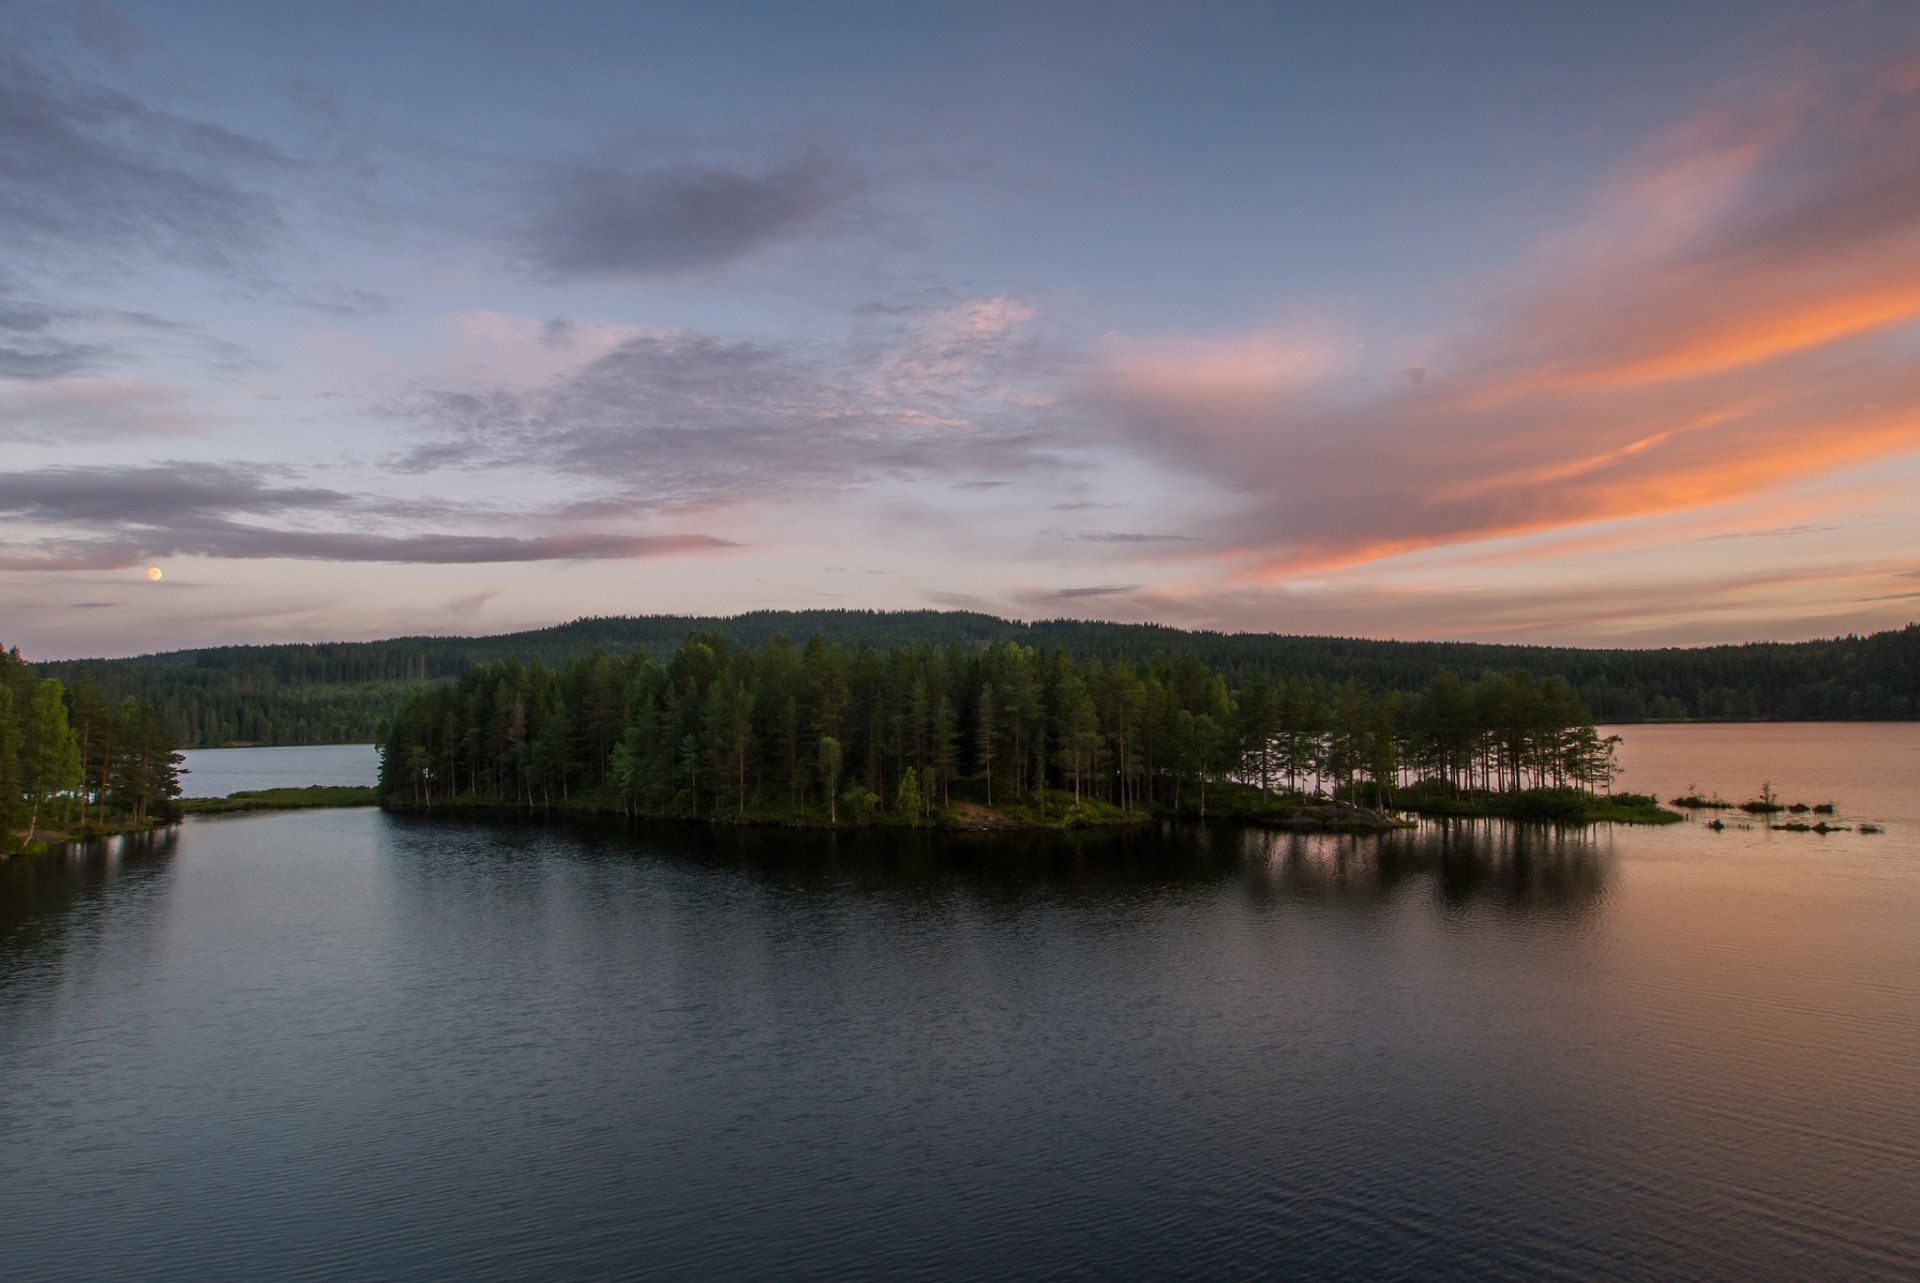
column 84, row 407
column 1741, row 313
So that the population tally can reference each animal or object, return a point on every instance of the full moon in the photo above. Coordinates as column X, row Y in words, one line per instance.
column 153, row 573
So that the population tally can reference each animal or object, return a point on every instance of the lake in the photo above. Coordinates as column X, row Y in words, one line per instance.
column 347, row 1045
column 216, row 772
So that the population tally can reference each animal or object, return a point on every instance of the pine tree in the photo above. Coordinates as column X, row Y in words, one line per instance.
column 946, row 739
column 830, row 775
column 983, row 738
column 11, row 810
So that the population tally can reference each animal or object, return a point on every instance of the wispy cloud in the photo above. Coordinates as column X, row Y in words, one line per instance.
column 89, row 407
column 1095, row 590
column 1738, row 314
column 1128, row 537
column 110, row 518
column 236, row 541
column 1596, row 609
column 1777, row 532
column 93, row 169
column 615, row 220
column 685, row 417
column 153, row 495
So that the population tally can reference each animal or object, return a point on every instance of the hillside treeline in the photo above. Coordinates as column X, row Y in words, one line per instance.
column 339, row 692
column 844, row 732
column 68, row 758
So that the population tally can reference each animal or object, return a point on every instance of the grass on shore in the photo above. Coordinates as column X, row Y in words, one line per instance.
column 289, row 799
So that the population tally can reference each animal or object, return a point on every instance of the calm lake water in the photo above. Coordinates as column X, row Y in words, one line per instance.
column 345, row 1045
column 216, row 772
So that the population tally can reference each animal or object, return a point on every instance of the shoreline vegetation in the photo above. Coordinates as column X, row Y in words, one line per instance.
column 1768, row 803
column 1300, row 813
column 1005, row 736
column 981, row 737
column 341, row 692
column 310, row 798
column 73, row 767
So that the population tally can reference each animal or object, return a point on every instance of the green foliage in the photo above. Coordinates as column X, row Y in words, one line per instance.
column 340, row 692
column 830, row 758
column 715, row 732
column 144, row 776
column 67, row 761
column 908, row 805
column 49, row 755
column 1550, row 805
column 312, row 797
column 12, row 796
column 857, row 806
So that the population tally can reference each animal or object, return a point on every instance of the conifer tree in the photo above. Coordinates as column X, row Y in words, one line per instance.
column 11, row 809
column 830, row 775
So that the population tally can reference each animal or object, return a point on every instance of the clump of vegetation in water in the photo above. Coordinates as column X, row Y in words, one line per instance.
column 1693, row 801
column 1768, row 803
column 1558, row 806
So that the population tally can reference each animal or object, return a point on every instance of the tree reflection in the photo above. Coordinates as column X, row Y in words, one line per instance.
column 41, row 896
column 1462, row 862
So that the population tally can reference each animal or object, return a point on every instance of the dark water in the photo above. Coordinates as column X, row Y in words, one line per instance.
column 347, row 1045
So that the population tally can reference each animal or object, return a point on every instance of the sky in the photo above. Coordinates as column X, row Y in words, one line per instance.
column 1574, row 324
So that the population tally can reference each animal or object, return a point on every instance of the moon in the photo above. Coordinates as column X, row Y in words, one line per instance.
column 153, row 574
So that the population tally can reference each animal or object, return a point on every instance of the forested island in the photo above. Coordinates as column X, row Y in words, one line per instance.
column 73, row 766
column 341, row 692
column 1009, row 735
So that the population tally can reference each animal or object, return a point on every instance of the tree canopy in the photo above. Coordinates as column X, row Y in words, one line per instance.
column 839, row 732
column 67, row 758
column 340, row 692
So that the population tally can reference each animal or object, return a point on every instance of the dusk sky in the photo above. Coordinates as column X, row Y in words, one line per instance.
column 1593, row 324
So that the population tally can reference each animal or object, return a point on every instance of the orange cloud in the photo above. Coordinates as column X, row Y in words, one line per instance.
column 1760, row 324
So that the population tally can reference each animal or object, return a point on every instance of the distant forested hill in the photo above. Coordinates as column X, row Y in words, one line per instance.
column 338, row 692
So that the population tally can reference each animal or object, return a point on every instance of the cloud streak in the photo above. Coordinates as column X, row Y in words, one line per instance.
column 152, row 495
column 684, row 417
column 92, row 169
column 1740, row 314
column 614, row 221
column 132, row 515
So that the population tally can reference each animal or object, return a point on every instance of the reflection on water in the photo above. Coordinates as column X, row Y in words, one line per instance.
column 1523, row 867
column 1463, row 862
column 346, row 1044
column 43, row 898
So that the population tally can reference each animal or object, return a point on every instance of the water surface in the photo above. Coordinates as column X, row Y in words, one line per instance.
column 216, row 772
column 352, row 1045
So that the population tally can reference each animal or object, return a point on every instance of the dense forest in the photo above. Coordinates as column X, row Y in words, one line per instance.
column 70, row 762
column 846, row 733
column 340, row 692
